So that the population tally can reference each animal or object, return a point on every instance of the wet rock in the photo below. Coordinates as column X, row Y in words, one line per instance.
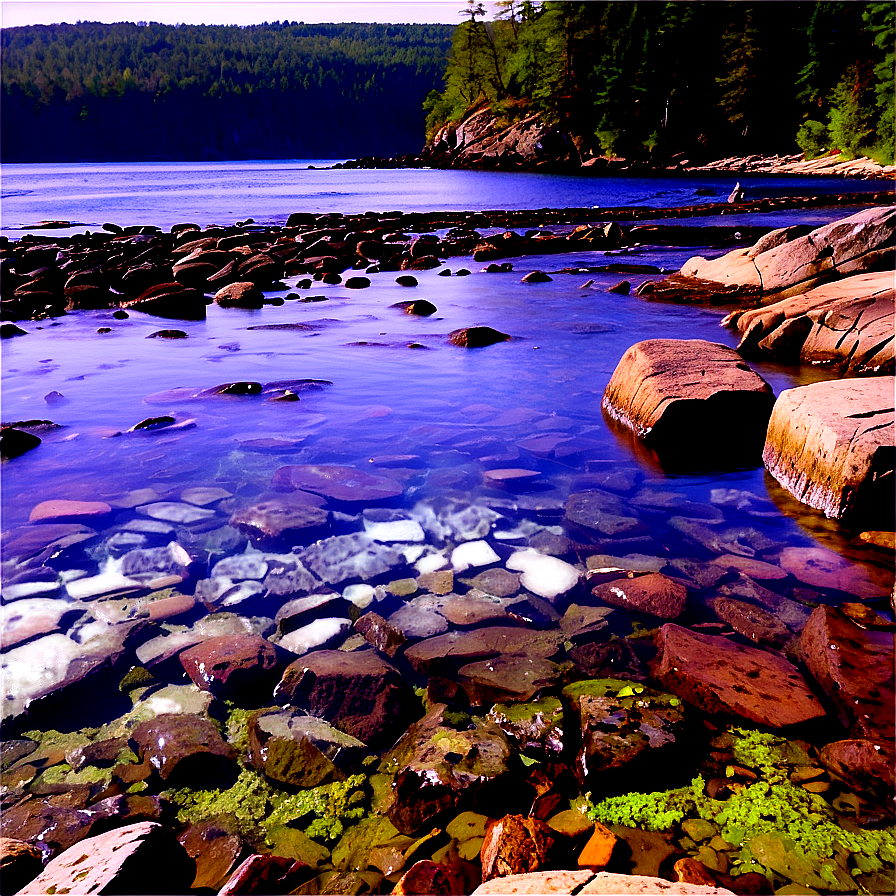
column 589, row 883
column 277, row 518
column 214, row 849
column 506, row 678
column 472, row 608
column 822, row 568
column 597, row 511
column 597, row 851
column 265, row 874
column 537, row 277
column 14, row 442
column 720, row 676
column 536, row 728
column 752, row 622
column 380, row 634
column 242, row 566
column 41, row 542
column 20, row 863
column 418, row 619
column 476, row 337
column 169, row 300
column 29, row 618
column 241, row 669
column 354, row 556
column 580, row 624
column 548, row 577
column 425, row 878
column 854, row 667
column 340, row 483
column 69, row 511
column 653, row 593
column 445, row 653
column 692, row 402
column 300, row 750
column 390, row 526
column 621, row 723
column 443, row 769
column 241, row 294
column 865, row 766
column 325, row 632
column 7, row 331
column 185, row 750
column 301, row 610
column 138, row 858
column 219, row 591
column 831, row 445
column 147, row 565
column 419, row 307
column 175, row 512
column 360, row 693
column 498, row 582
column 515, row 844
column 472, row 554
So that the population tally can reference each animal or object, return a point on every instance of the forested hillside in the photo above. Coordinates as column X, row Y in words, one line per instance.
column 149, row 91
column 704, row 80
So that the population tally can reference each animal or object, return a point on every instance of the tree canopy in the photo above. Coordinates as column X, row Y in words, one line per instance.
column 278, row 90
column 705, row 80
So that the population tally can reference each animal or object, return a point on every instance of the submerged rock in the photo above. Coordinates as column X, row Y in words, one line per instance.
column 653, row 593
column 355, row 556
column 340, row 483
column 476, row 337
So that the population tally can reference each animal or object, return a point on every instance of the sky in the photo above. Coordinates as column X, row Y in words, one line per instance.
column 225, row 12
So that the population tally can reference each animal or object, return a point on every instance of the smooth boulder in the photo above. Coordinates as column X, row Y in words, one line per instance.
column 691, row 401
column 830, row 445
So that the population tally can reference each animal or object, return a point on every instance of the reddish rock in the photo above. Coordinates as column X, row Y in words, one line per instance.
column 379, row 633
column 854, row 667
column 516, row 845
column 654, row 593
column 822, row 568
column 830, row 444
column 691, row 401
column 359, row 693
column 139, row 858
column 60, row 510
column 597, row 851
column 239, row 668
column 512, row 678
column 184, row 749
column 265, row 874
column 865, row 766
column 720, row 676
column 603, row 883
column 425, row 878
column 214, row 849
column 242, row 294
column 339, row 483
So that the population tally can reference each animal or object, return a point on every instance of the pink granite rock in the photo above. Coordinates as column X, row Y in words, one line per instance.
column 604, row 883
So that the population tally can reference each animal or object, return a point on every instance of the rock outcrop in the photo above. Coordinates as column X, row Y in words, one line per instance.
column 787, row 262
column 831, row 445
column 690, row 401
column 846, row 324
column 587, row 882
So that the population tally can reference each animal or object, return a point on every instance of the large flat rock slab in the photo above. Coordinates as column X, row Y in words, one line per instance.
column 139, row 858
column 691, row 401
column 780, row 263
column 847, row 324
column 830, row 445
column 720, row 676
column 603, row 882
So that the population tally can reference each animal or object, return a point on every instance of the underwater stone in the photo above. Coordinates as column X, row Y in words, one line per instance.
column 68, row 511
column 319, row 633
column 151, row 563
column 173, row 512
column 653, row 593
column 26, row 619
column 536, row 728
column 548, row 577
column 294, row 516
column 354, row 556
column 242, row 566
column 394, row 530
column 337, row 482
column 506, row 678
column 287, row 575
column 419, row 619
column 473, row 553
column 302, row 610
column 203, row 496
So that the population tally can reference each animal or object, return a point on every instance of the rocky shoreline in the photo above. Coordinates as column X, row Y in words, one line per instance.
column 480, row 142
column 435, row 695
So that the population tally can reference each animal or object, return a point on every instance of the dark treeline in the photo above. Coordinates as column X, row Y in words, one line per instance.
column 149, row 91
column 705, row 80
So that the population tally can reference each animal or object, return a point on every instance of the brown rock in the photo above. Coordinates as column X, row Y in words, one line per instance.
column 654, row 593
column 379, row 633
column 265, row 874
column 719, row 676
column 854, row 667
column 242, row 294
column 169, row 300
column 214, row 849
column 865, row 766
column 691, row 401
column 20, row 863
column 425, row 878
column 690, row 871
column 597, row 851
column 506, row 678
column 243, row 669
column 822, row 568
column 830, row 444
column 359, row 693
column 476, row 337
column 139, row 858
column 516, row 845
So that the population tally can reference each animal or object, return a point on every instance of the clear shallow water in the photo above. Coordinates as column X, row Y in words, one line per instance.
column 530, row 403
column 164, row 194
